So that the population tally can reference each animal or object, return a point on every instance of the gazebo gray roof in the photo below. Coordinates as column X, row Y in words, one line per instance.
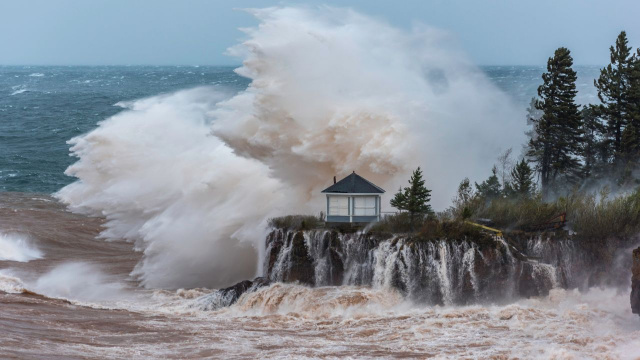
column 354, row 184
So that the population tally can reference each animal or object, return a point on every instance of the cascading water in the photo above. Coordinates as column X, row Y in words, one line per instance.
column 435, row 271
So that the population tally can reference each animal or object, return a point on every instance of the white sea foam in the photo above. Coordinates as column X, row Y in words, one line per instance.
column 17, row 247
column 193, row 176
column 78, row 281
column 565, row 324
column 18, row 89
column 37, row 75
column 10, row 283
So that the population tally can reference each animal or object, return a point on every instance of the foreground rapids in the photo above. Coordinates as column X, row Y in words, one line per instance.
column 77, row 301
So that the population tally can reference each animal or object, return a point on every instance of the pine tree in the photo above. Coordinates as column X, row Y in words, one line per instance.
column 634, row 91
column 595, row 145
column 414, row 198
column 533, row 116
column 630, row 151
column 630, row 143
column 490, row 188
column 613, row 91
column 522, row 184
column 556, row 147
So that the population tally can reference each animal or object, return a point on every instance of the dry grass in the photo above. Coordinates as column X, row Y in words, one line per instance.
column 429, row 228
column 296, row 222
column 594, row 217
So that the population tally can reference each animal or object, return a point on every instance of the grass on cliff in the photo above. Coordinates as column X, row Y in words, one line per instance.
column 594, row 217
column 429, row 228
column 424, row 229
column 296, row 222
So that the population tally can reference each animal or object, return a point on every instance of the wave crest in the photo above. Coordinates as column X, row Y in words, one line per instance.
column 191, row 177
column 17, row 247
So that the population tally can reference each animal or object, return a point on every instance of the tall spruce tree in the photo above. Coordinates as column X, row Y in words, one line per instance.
column 556, row 147
column 596, row 151
column 522, row 184
column 533, row 116
column 634, row 90
column 414, row 198
column 490, row 188
column 630, row 143
column 613, row 91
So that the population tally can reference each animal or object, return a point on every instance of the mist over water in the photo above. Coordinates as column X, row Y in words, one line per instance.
column 193, row 176
column 17, row 247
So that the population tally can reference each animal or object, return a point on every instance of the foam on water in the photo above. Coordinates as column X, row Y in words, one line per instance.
column 351, row 321
column 17, row 247
column 565, row 324
column 9, row 283
column 19, row 89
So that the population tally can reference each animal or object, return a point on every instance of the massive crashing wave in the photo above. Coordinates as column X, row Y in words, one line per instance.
column 192, row 177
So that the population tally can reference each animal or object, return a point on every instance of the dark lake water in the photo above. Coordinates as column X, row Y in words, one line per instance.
column 41, row 107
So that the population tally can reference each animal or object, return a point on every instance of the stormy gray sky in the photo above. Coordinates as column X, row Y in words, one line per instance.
column 197, row 32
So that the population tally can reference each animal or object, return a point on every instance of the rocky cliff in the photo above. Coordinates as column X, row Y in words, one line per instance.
column 444, row 272
column 635, row 282
column 433, row 271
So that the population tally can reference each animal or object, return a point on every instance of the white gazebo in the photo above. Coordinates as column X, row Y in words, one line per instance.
column 353, row 199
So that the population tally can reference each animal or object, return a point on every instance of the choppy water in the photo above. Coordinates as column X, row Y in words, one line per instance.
column 77, row 301
column 65, row 294
column 41, row 107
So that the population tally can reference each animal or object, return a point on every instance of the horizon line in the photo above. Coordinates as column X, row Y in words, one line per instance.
column 235, row 65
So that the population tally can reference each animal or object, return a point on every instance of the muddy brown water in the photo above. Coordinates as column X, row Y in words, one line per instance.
column 78, row 301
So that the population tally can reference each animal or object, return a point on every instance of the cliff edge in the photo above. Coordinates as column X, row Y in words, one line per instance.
column 635, row 282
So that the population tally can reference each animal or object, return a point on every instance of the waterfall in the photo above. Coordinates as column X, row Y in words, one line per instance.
column 441, row 271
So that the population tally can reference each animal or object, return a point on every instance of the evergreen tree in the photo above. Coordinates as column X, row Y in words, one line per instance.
column 630, row 151
column 522, row 184
column 634, row 91
column 556, row 147
column 414, row 198
column 613, row 91
column 595, row 145
column 490, row 188
column 630, row 143
column 533, row 116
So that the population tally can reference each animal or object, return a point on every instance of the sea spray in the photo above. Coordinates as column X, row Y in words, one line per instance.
column 79, row 281
column 17, row 247
column 192, row 177
column 334, row 91
column 161, row 181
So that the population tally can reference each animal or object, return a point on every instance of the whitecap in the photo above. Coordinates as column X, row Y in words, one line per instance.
column 78, row 281
column 36, row 75
column 19, row 91
column 17, row 247
column 10, row 283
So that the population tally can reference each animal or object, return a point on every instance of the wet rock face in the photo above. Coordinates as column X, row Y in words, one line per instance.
column 288, row 258
column 228, row 296
column 442, row 272
column 434, row 272
column 635, row 282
